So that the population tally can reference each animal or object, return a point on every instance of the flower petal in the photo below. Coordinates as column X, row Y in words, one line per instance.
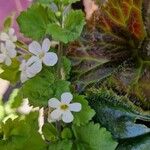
column 76, row 107
column 35, row 48
column 8, row 61
column 11, row 31
column 34, row 66
column 2, row 58
column 4, row 36
column 54, row 103
column 23, row 77
column 46, row 45
column 10, row 45
column 67, row 117
column 50, row 59
column 66, row 97
column 11, row 49
column 56, row 114
column 3, row 48
column 22, row 65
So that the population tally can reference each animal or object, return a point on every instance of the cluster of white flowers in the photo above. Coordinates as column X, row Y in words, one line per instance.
column 62, row 109
column 40, row 55
column 7, row 46
column 31, row 67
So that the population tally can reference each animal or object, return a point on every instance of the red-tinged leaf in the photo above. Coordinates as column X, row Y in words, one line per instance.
column 125, row 14
column 117, row 35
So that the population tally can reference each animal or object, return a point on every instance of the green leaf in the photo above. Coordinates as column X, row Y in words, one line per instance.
column 86, row 113
column 66, row 65
column 22, row 134
column 73, row 26
column 59, row 87
column 44, row 1
column 66, row 133
column 65, row 2
column 38, row 89
column 141, row 143
column 33, row 22
column 118, row 114
column 7, row 23
column 11, row 73
column 49, row 132
column 61, row 145
column 93, row 137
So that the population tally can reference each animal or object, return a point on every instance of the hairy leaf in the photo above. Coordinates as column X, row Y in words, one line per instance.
column 114, row 45
column 118, row 114
column 141, row 143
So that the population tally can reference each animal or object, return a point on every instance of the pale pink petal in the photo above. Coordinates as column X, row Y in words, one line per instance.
column 54, row 103
column 66, row 97
column 50, row 59
column 67, row 117
column 11, row 31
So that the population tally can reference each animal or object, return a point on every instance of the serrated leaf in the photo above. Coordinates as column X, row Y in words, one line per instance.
column 22, row 134
column 66, row 133
column 66, row 66
column 12, row 70
column 38, row 89
column 35, row 19
column 59, row 87
column 61, row 145
column 93, row 137
column 118, row 114
column 86, row 114
column 49, row 132
column 73, row 26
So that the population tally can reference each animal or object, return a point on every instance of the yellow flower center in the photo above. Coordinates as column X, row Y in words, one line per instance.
column 41, row 55
column 64, row 107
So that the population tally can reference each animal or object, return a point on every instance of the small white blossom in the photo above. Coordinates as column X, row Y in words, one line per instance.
column 42, row 54
column 63, row 108
column 10, row 36
column 25, row 108
column 29, row 69
column 7, row 51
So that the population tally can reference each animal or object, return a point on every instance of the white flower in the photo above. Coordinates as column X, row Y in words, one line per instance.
column 7, row 51
column 42, row 54
column 25, row 108
column 10, row 36
column 29, row 69
column 63, row 108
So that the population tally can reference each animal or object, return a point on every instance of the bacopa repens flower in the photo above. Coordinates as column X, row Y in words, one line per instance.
column 7, row 52
column 62, row 109
column 42, row 55
column 7, row 46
